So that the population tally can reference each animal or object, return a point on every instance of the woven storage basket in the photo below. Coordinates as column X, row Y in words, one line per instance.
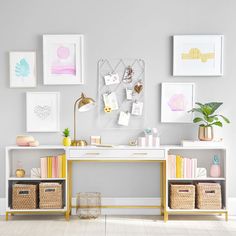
column 88, row 205
column 182, row 196
column 209, row 196
column 50, row 196
column 24, row 196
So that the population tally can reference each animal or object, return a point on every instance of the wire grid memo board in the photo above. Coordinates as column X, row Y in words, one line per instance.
column 118, row 67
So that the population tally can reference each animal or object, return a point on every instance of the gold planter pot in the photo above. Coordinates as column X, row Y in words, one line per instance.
column 205, row 133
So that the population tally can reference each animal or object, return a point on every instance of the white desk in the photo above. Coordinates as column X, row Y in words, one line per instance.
column 117, row 154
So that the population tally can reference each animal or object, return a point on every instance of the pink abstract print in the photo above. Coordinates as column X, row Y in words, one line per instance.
column 63, row 60
column 177, row 102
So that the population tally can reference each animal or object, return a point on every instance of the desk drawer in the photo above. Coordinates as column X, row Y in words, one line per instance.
column 140, row 153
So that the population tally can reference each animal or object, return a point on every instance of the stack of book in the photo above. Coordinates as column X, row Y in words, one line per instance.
column 181, row 167
column 53, row 166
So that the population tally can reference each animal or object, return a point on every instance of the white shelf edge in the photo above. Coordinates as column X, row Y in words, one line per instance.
column 28, row 178
column 169, row 210
column 194, row 179
column 40, row 147
column 37, row 210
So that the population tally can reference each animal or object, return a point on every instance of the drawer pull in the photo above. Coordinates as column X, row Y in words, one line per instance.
column 92, row 153
column 140, row 153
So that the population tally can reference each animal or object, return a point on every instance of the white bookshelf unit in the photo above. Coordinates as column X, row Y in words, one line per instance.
column 30, row 158
column 204, row 157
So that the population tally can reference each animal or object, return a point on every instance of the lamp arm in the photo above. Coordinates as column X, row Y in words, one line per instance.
column 75, row 117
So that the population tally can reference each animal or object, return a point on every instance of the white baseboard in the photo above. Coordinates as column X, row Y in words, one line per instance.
column 131, row 201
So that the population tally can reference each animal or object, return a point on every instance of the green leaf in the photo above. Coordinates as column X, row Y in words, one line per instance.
column 207, row 110
column 208, row 119
column 214, row 105
column 197, row 119
column 196, row 110
column 225, row 119
column 218, row 123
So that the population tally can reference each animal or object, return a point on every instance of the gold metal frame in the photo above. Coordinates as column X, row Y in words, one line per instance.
column 162, row 186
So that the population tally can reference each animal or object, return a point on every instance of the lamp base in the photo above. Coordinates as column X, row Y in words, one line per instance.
column 79, row 143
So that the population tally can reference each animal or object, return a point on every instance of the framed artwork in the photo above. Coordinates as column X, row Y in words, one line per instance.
column 63, row 59
column 22, row 69
column 176, row 100
column 43, row 111
column 198, row 55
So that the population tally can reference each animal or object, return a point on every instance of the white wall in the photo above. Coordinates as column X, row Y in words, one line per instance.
column 114, row 29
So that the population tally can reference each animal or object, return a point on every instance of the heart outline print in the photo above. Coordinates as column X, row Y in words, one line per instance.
column 42, row 112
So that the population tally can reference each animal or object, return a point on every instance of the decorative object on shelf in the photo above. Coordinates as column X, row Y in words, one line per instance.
column 215, row 170
column 20, row 172
column 50, row 195
column 35, row 173
column 156, row 138
column 66, row 140
column 22, row 69
column 209, row 196
column 83, row 104
column 198, row 55
column 24, row 140
column 201, row 173
column 141, row 141
column 34, row 143
column 95, row 140
column 43, row 111
column 133, row 142
column 176, row 100
column 118, row 79
column 88, row 205
column 138, row 87
column 208, row 119
column 63, row 59
column 128, row 75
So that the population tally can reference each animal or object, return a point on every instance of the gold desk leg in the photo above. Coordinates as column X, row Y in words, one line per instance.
column 164, row 192
column 161, row 188
column 69, row 190
column 226, row 216
column 7, row 216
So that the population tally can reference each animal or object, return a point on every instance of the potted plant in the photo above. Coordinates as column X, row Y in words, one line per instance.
column 66, row 139
column 208, row 119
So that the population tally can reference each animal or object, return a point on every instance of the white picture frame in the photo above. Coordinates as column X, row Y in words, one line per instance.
column 63, row 59
column 198, row 55
column 43, row 111
column 22, row 69
column 176, row 100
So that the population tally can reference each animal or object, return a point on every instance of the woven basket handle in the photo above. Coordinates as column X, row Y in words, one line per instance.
column 23, row 192
column 210, row 191
column 183, row 190
column 50, row 190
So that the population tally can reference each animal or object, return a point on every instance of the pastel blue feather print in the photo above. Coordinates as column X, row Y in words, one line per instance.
column 22, row 68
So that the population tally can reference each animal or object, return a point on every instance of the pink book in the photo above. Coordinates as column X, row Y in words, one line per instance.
column 43, row 164
column 173, row 166
column 169, row 166
column 53, row 167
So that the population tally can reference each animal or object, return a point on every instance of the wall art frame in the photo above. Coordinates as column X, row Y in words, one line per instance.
column 43, row 111
column 22, row 69
column 198, row 55
column 63, row 59
column 176, row 100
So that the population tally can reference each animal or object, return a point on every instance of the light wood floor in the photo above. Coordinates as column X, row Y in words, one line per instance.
column 116, row 226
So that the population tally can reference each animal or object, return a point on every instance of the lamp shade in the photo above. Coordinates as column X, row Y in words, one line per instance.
column 85, row 103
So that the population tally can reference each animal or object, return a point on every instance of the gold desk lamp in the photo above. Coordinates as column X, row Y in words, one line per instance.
column 83, row 104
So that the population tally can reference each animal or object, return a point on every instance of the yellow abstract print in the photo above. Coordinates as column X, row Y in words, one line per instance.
column 195, row 54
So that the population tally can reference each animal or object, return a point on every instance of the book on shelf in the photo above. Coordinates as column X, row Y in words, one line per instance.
column 197, row 143
column 181, row 167
column 53, row 166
